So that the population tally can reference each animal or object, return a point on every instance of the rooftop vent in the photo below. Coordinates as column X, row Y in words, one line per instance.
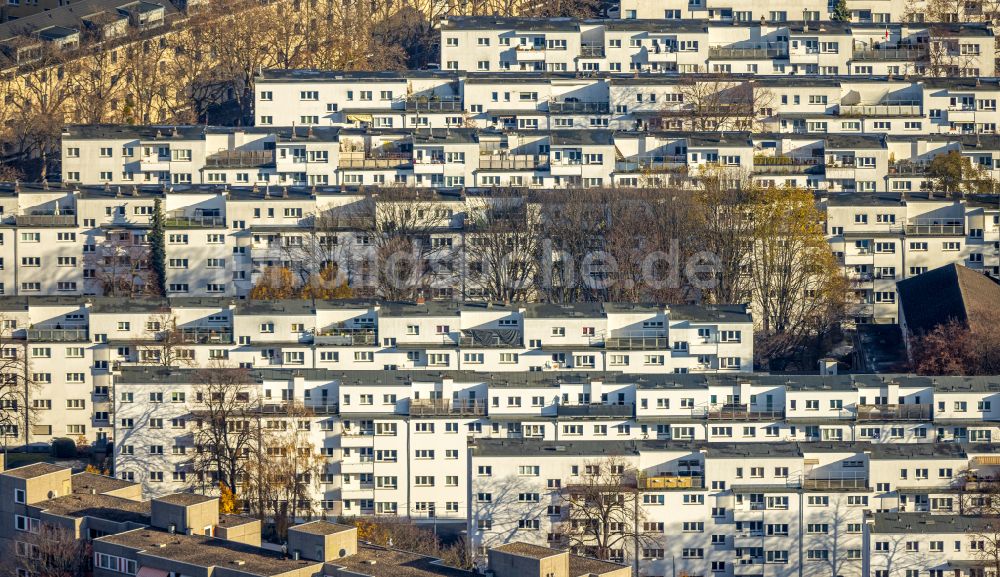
column 239, row 562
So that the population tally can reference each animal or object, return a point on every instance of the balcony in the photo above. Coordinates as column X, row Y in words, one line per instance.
column 201, row 335
column 656, row 482
column 446, row 407
column 840, row 168
column 40, row 220
column 935, row 227
column 822, row 481
column 903, row 53
column 512, row 161
column 387, row 160
column 651, row 164
column 743, row 413
column 906, row 108
column 342, row 337
column 194, row 221
column 434, row 104
column 594, row 410
column 912, row 412
column 489, row 338
column 642, row 340
column 241, row 159
column 58, row 335
column 530, row 53
column 777, row 165
column 591, row 50
column 907, row 168
column 297, row 408
column 154, row 163
column 579, row 107
column 758, row 51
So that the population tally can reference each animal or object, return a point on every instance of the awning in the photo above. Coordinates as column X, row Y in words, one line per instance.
column 359, row 117
column 151, row 572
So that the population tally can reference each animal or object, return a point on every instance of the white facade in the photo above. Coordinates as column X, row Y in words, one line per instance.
column 881, row 239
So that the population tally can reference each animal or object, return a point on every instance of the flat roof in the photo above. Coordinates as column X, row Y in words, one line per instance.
column 322, row 528
column 202, row 551
column 381, row 562
column 35, row 470
column 109, row 507
column 908, row 523
column 185, row 499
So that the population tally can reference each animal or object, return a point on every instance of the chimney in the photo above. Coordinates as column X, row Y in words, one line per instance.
column 421, row 300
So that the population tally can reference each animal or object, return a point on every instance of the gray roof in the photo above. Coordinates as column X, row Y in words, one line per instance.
column 926, row 523
column 951, row 292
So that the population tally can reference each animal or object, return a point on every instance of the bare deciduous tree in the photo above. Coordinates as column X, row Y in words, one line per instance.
column 51, row 552
column 601, row 510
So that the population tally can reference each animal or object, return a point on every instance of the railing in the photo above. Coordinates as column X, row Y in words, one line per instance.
column 859, row 481
column 754, row 52
column 443, row 407
column 905, row 168
column 743, row 413
column 785, row 164
column 561, row 107
column 918, row 412
column 638, row 343
column 492, row 342
column 205, row 335
column 346, row 337
column 286, row 408
column 652, row 164
column 194, row 221
column 594, row 410
column 906, row 53
column 934, row 229
column 901, row 109
column 592, row 51
column 671, row 482
column 389, row 160
column 240, row 159
column 58, row 335
column 45, row 220
column 512, row 161
column 435, row 104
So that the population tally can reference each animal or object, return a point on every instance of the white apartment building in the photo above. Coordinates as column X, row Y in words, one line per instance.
column 861, row 11
column 395, row 441
column 691, row 45
column 881, row 239
column 72, row 346
column 337, row 159
column 743, row 509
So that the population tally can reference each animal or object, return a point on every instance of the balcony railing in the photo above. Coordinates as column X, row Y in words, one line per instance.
column 910, row 412
column 444, row 407
column 887, row 109
column 512, row 161
column 240, row 159
column 743, row 413
column 346, row 337
column 286, row 408
column 905, row 168
column 45, row 220
column 594, row 410
column 935, row 229
column 835, row 481
column 205, row 336
column 653, row 164
column 194, row 221
column 785, row 164
column 592, row 51
column 387, row 160
column 434, row 104
column 899, row 53
column 752, row 52
column 636, row 343
column 58, row 335
column 564, row 107
column 671, row 482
